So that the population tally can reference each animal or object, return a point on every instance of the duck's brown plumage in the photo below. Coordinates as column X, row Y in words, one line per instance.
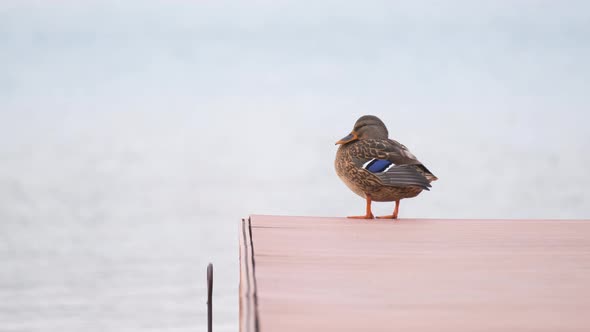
column 378, row 168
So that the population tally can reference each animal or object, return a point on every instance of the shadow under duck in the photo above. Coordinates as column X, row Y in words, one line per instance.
column 378, row 168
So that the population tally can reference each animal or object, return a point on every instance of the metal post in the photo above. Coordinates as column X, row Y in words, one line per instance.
column 210, row 297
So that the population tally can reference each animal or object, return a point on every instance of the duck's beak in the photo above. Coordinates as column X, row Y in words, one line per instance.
column 351, row 137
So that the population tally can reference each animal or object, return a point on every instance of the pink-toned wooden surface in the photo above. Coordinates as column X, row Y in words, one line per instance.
column 336, row 274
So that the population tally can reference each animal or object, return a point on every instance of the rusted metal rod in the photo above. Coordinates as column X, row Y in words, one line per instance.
column 210, row 297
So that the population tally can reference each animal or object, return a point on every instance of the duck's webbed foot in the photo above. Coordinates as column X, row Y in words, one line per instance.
column 368, row 214
column 395, row 212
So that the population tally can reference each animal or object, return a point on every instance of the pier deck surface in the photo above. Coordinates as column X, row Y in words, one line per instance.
column 337, row 274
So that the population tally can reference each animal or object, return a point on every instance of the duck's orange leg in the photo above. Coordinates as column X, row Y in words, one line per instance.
column 368, row 214
column 395, row 211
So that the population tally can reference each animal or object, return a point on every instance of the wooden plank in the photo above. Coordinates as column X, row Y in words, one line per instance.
column 248, row 305
column 336, row 274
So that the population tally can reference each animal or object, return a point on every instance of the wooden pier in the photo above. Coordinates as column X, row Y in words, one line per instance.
column 337, row 274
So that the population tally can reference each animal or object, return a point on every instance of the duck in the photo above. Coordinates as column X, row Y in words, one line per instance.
column 378, row 168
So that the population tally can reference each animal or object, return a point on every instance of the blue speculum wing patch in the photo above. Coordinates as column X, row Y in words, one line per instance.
column 377, row 165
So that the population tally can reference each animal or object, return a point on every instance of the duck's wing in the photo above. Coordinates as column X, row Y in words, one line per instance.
column 401, row 176
column 390, row 163
column 400, row 154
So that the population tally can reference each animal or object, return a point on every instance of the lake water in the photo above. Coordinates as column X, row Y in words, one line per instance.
column 134, row 137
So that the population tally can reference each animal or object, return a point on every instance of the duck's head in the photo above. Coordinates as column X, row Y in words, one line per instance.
column 367, row 126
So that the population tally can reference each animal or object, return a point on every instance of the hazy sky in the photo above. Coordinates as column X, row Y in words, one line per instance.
column 485, row 87
column 462, row 49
